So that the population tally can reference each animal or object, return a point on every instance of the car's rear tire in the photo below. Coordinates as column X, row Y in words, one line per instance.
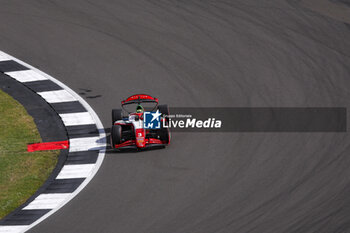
column 116, row 135
column 117, row 114
column 164, row 109
column 164, row 132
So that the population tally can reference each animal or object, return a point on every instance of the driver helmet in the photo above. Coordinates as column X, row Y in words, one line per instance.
column 139, row 109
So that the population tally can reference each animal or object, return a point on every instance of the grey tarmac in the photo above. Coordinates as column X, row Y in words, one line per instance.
column 190, row 53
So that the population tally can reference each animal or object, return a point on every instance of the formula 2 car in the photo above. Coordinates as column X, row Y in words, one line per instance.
column 128, row 131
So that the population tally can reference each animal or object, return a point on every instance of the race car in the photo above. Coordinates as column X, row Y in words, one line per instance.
column 128, row 130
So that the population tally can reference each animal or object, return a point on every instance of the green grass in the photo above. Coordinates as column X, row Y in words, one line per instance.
column 21, row 172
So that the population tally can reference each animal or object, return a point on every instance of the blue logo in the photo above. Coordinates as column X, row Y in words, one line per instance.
column 151, row 120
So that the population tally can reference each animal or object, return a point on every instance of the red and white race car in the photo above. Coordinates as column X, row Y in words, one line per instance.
column 128, row 132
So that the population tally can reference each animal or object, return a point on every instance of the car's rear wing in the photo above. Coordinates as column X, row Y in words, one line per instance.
column 140, row 98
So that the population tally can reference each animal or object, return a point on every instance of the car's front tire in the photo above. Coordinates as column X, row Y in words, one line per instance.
column 116, row 135
column 165, row 135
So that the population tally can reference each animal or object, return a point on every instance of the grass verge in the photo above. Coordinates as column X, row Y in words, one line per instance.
column 21, row 172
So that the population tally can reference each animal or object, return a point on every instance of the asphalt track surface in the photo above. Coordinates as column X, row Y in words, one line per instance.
column 199, row 53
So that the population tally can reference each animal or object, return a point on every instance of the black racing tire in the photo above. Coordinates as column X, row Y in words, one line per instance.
column 116, row 134
column 117, row 114
column 164, row 132
column 165, row 135
column 164, row 109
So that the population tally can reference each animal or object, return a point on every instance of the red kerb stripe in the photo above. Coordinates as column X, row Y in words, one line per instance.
column 48, row 146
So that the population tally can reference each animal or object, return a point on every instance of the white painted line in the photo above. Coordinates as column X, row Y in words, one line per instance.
column 85, row 144
column 80, row 118
column 75, row 171
column 26, row 76
column 4, row 56
column 47, row 201
column 13, row 229
column 101, row 142
column 57, row 96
